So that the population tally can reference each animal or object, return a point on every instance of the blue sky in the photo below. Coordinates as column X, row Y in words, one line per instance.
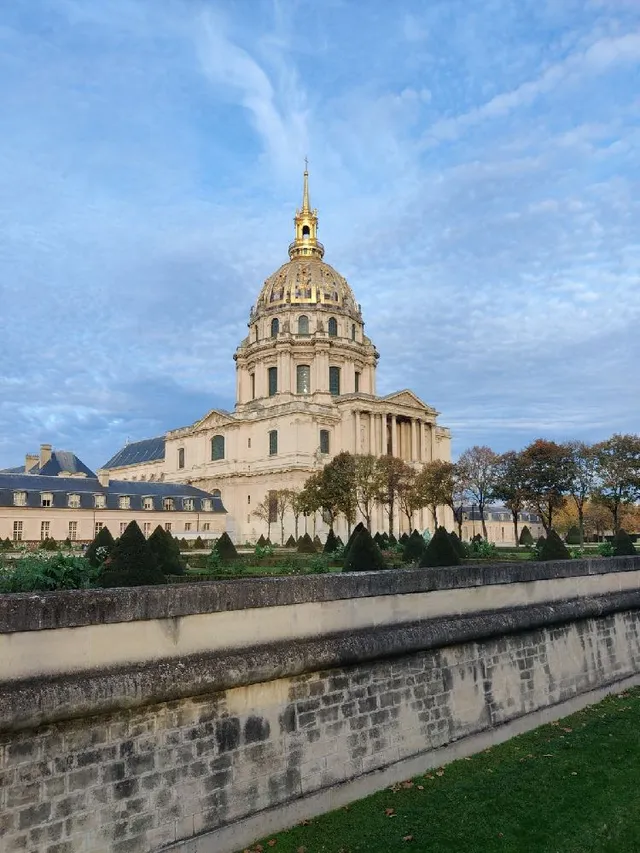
column 475, row 164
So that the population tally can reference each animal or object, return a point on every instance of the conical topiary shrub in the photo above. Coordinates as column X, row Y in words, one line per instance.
column 131, row 562
column 440, row 551
column 404, row 538
column 392, row 540
column 413, row 548
column 359, row 526
column 261, row 541
column 378, row 539
column 457, row 544
column 331, row 544
column 364, row 554
column 573, row 536
column 101, row 547
column 317, row 542
column 225, row 548
column 339, row 542
column 554, row 548
column 525, row 537
column 198, row 544
column 167, row 551
column 306, row 545
column 290, row 543
column 622, row 545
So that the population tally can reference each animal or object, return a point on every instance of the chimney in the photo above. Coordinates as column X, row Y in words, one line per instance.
column 103, row 476
column 30, row 461
column 45, row 454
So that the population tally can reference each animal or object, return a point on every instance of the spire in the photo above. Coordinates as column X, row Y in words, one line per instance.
column 306, row 242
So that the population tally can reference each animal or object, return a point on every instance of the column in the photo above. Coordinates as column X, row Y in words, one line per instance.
column 394, row 435
column 414, row 440
column 358, row 444
column 372, row 433
column 383, row 435
column 423, row 442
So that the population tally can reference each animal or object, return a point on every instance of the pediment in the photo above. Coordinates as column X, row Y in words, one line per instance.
column 408, row 398
column 214, row 418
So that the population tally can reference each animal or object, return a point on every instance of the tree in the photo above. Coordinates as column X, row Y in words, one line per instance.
column 440, row 551
column 618, row 473
column 547, row 475
column 597, row 519
column 434, row 486
column 166, row 551
column 479, row 468
column 584, row 471
column 407, row 498
column 392, row 474
column 101, row 547
column 509, row 486
column 131, row 562
column 459, row 496
column 364, row 555
column 264, row 512
column 297, row 509
column 368, row 485
column 282, row 499
column 332, row 489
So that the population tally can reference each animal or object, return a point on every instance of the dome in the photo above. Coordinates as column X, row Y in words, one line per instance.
column 307, row 281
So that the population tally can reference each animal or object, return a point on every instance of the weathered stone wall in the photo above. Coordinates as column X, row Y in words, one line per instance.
column 266, row 726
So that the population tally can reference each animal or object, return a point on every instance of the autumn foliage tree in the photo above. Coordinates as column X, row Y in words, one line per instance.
column 434, row 486
column 478, row 466
column 509, row 486
column 618, row 473
column 547, row 468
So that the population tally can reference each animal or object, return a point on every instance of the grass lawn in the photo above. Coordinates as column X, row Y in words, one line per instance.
column 568, row 787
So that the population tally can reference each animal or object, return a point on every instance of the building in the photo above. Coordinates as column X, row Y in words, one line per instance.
column 305, row 391
column 55, row 495
column 499, row 523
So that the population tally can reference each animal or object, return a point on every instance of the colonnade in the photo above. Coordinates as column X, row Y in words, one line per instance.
column 381, row 434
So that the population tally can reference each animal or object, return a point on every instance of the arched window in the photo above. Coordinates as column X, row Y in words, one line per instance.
column 256, row 332
column 334, row 381
column 303, row 379
column 272, row 375
column 275, row 327
column 305, row 232
column 324, row 441
column 216, row 493
column 181, row 457
column 353, row 331
column 332, row 327
column 217, row 448
column 303, row 325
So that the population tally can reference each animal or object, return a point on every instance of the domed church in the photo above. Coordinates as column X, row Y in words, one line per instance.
column 305, row 391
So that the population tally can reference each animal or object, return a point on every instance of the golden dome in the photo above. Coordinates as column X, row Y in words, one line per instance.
column 306, row 279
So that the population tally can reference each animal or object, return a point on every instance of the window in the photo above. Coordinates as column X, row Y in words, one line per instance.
column 124, row 502
column 217, row 448
column 17, row 531
column 357, row 385
column 303, row 379
column 324, row 441
column 181, row 457
column 273, row 442
column 74, row 501
column 167, row 526
column 248, row 442
column 187, row 526
column 44, row 529
column 334, row 381
column 167, row 504
column 146, row 529
column 332, row 327
column 273, row 381
column 353, row 331
column 248, row 499
column 19, row 498
column 97, row 527
column 305, row 232
column 303, row 325
column 46, row 499
column 73, row 530
column 273, row 507
column 206, row 527
column 187, row 503
column 216, row 493
column 256, row 331
column 147, row 503
column 275, row 327
column 206, row 504
column 123, row 527
column 100, row 501
column 253, row 385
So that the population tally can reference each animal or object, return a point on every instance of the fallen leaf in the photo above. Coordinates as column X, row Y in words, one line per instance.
column 573, row 773
column 305, row 823
column 421, row 787
column 566, row 729
column 272, row 842
column 407, row 837
column 439, row 772
column 301, row 850
column 429, row 776
column 407, row 784
column 390, row 812
column 548, row 755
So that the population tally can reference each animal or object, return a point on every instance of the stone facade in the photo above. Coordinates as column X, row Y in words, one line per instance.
column 305, row 391
column 135, row 781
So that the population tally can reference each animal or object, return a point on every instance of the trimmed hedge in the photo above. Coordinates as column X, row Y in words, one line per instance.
column 440, row 551
column 622, row 545
column 131, row 562
column 554, row 548
column 364, row 554
column 525, row 537
column 306, row 545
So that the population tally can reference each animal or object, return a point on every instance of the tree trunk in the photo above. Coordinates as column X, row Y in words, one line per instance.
column 514, row 516
column 295, row 521
column 581, row 523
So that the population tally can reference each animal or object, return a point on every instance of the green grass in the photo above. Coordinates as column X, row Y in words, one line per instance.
column 568, row 787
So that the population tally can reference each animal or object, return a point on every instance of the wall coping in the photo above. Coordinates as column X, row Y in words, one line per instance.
column 21, row 612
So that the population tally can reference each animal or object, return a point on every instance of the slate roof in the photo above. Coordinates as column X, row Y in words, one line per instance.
column 497, row 512
column 87, row 487
column 61, row 460
column 147, row 450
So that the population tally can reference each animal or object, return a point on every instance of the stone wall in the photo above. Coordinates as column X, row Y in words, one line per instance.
column 262, row 729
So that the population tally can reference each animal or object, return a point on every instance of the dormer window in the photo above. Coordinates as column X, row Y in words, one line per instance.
column 100, row 501
column 187, row 503
column 124, row 502
column 74, row 501
column 147, row 503
column 167, row 504
column 206, row 504
column 19, row 498
column 46, row 499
